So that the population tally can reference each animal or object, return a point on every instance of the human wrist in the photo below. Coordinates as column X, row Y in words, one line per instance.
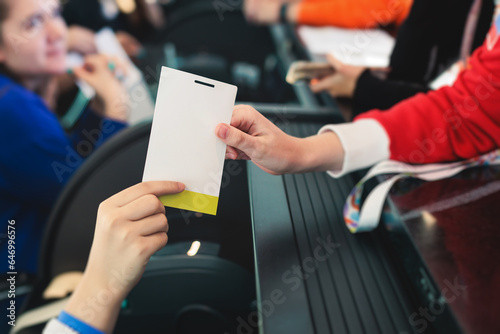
column 96, row 303
column 112, row 93
column 321, row 152
column 115, row 107
column 93, row 285
column 67, row 321
column 294, row 157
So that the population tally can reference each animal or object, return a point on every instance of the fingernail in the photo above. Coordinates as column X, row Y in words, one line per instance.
column 69, row 71
column 231, row 156
column 111, row 66
column 180, row 185
column 223, row 130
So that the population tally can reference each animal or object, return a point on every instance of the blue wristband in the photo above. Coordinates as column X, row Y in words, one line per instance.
column 77, row 324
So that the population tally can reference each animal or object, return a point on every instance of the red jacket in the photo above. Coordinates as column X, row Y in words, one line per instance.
column 451, row 123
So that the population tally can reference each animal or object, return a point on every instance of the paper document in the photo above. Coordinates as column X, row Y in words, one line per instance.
column 360, row 47
column 183, row 146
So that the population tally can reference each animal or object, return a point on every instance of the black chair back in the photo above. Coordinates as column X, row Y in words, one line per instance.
column 176, row 289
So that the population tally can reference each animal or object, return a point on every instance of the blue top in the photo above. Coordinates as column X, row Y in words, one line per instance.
column 37, row 157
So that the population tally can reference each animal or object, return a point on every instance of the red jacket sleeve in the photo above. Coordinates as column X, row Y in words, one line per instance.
column 451, row 123
column 361, row 14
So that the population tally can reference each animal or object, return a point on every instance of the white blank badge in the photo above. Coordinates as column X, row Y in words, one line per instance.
column 183, row 146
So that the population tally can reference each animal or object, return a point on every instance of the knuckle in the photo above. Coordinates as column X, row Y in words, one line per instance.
column 243, row 108
column 105, row 216
column 103, row 206
column 147, row 202
column 150, row 198
column 160, row 206
column 143, row 187
column 163, row 221
column 237, row 138
column 162, row 240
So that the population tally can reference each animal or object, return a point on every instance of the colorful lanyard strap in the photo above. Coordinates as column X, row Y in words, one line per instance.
column 365, row 217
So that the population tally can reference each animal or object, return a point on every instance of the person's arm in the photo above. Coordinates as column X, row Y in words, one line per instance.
column 415, row 47
column 92, row 130
column 131, row 226
column 361, row 14
column 372, row 92
column 338, row 149
column 251, row 136
column 35, row 150
column 430, row 38
column 65, row 323
column 451, row 123
column 457, row 122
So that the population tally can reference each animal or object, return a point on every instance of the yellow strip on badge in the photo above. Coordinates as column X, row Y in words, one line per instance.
column 192, row 201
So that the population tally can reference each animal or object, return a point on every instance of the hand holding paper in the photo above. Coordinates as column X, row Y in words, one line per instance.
column 251, row 136
column 183, row 146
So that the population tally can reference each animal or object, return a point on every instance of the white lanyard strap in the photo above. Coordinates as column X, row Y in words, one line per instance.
column 360, row 218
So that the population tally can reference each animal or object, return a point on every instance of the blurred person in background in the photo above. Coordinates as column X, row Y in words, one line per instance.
column 132, row 20
column 427, row 45
column 37, row 156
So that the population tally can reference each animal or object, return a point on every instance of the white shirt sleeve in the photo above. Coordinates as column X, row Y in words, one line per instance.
column 54, row 326
column 365, row 143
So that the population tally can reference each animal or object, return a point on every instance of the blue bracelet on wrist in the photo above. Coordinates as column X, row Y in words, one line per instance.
column 77, row 324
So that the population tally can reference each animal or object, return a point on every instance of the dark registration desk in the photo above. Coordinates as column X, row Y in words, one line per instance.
column 432, row 265
column 313, row 275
